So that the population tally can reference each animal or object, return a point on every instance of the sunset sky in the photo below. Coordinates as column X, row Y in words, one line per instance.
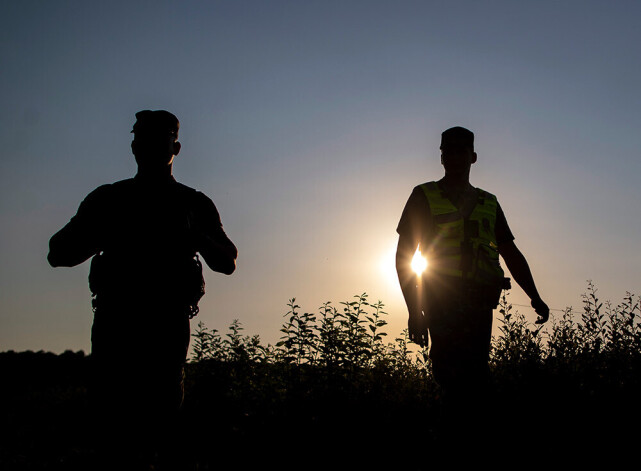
column 308, row 123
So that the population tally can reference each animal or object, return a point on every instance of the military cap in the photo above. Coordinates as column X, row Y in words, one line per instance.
column 156, row 122
column 457, row 136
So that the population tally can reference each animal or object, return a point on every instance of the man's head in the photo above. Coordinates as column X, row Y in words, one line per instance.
column 155, row 139
column 457, row 149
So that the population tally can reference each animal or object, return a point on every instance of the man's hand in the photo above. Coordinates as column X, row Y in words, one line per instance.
column 217, row 250
column 541, row 309
column 417, row 328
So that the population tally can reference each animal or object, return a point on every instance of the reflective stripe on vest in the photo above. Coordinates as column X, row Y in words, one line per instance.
column 464, row 248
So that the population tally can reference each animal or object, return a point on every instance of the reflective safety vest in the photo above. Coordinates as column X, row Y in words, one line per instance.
column 464, row 247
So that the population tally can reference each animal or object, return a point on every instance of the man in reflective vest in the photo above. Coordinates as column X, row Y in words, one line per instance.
column 461, row 230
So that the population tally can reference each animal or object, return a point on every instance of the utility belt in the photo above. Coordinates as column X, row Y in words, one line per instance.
column 178, row 283
column 445, row 292
column 486, row 296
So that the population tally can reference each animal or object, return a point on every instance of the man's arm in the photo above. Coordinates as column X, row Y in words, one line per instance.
column 406, row 277
column 219, row 252
column 411, row 228
column 210, row 240
column 412, row 290
column 78, row 240
column 520, row 270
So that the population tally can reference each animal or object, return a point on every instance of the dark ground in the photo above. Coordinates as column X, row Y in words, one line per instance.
column 242, row 417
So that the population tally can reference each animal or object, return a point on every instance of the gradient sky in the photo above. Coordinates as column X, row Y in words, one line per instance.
column 309, row 123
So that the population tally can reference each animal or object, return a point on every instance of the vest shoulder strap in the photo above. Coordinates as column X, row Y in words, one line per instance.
column 439, row 203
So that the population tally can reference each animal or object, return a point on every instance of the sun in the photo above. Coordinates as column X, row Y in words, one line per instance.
column 419, row 263
column 388, row 264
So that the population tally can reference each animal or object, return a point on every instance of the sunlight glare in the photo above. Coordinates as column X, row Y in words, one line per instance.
column 419, row 263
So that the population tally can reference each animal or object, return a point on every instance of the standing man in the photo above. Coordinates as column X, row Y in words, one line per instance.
column 461, row 230
column 144, row 234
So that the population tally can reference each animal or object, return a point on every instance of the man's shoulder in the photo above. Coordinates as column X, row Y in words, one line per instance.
column 419, row 190
column 417, row 205
column 103, row 195
column 194, row 198
column 106, row 187
column 102, row 191
column 486, row 194
column 178, row 186
column 425, row 184
column 481, row 190
column 109, row 189
column 120, row 185
column 190, row 192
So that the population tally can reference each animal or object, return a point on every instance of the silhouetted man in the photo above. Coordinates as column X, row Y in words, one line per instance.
column 144, row 234
column 461, row 230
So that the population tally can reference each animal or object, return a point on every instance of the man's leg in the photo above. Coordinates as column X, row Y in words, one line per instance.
column 459, row 353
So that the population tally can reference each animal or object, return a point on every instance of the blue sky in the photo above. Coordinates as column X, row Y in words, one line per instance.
column 309, row 123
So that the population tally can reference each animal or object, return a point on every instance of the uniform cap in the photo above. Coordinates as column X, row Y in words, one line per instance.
column 156, row 122
column 457, row 136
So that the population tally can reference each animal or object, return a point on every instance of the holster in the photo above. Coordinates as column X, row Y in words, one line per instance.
column 193, row 286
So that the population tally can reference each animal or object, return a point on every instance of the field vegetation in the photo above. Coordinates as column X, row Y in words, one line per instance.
column 337, row 388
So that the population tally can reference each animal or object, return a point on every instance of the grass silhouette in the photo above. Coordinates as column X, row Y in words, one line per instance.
column 335, row 392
